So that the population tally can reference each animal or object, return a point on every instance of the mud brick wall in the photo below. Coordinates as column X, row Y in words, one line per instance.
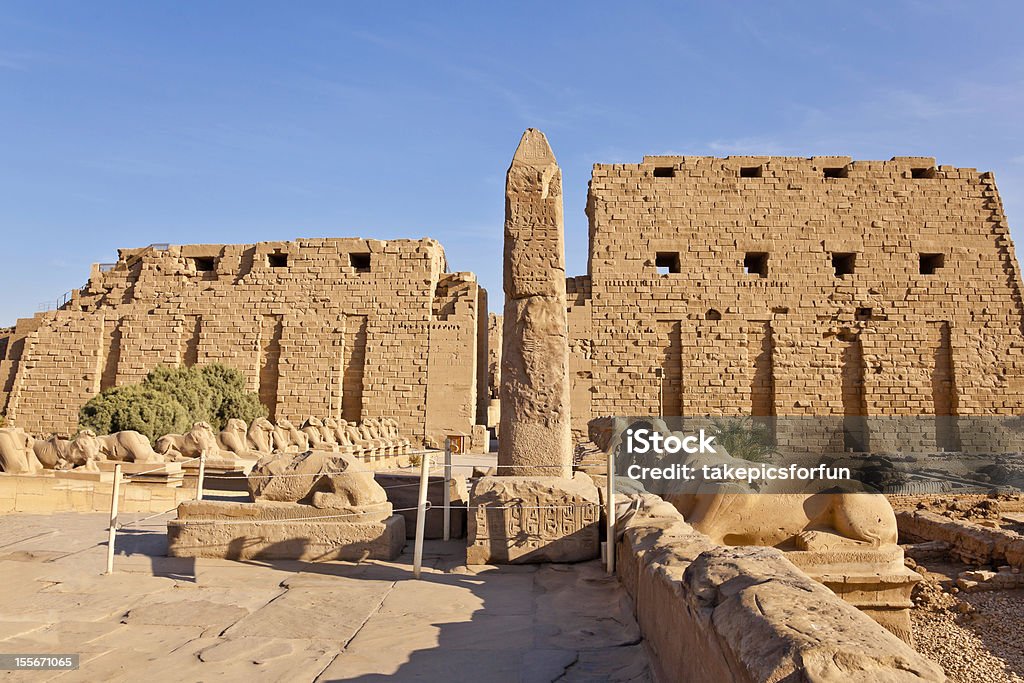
column 798, row 286
column 347, row 328
column 65, row 375
column 581, row 354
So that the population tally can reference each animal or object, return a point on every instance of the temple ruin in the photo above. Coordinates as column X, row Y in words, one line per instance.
column 347, row 328
column 768, row 286
column 785, row 286
column 762, row 286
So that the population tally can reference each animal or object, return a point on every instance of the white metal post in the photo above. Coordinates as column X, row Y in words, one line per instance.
column 610, row 514
column 421, row 514
column 112, row 531
column 202, row 474
column 447, row 488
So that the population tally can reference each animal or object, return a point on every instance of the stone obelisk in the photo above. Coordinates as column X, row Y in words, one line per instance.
column 535, row 509
column 535, row 439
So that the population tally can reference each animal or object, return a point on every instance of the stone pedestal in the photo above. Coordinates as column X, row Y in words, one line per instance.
column 168, row 474
column 285, row 531
column 521, row 520
column 222, row 474
column 82, row 474
column 875, row 581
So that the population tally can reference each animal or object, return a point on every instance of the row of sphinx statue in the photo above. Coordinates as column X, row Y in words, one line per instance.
column 371, row 437
column 21, row 453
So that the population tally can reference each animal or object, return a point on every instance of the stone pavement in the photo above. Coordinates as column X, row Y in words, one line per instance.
column 178, row 619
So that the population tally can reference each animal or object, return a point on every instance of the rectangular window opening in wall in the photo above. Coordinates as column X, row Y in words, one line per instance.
column 919, row 173
column 930, row 263
column 750, row 171
column 836, row 172
column 843, row 264
column 756, row 263
column 863, row 314
column 667, row 262
column 664, row 172
column 359, row 262
column 277, row 260
column 204, row 264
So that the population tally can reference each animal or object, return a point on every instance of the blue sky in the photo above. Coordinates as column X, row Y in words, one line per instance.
column 123, row 124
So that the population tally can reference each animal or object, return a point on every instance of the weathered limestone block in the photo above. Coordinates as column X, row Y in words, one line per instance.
column 323, row 479
column 714, row 613
column 145, row 475
column 520, row 520
column 288, row 531
column 967, row 541
column 535, row 388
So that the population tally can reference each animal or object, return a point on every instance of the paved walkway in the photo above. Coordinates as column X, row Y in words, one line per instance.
column 174, row 619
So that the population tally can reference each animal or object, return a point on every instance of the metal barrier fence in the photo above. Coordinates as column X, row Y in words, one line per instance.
column 422, row 507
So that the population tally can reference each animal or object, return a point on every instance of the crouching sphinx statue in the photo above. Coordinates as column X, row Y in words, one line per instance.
column 309, row 506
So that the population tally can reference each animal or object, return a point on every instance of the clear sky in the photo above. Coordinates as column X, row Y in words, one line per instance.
column 123, row 124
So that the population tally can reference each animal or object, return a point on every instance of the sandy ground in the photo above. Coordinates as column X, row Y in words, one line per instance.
column 975, row 637
column 174, row 619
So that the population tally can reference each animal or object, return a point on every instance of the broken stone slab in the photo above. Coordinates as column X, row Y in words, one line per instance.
column 927, row 551
column 986, row 580
column 582, row 607
column 316, row 614
column 969, row 542
column 285, row 531
column 515, row 520
column 245, row 659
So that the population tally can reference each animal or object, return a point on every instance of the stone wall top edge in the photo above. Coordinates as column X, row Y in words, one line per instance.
column 650, row 159
column 215, row 249
column 811, row 163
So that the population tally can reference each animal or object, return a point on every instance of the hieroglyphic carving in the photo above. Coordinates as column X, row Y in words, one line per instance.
column 533, row 519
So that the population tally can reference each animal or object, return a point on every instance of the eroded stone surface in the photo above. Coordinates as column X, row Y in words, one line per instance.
column 750, row 612
column 298, row 477
column 533, row 519
column 287, row 531
column 535, row 430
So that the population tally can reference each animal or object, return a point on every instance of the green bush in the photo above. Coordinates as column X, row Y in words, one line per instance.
column 230, row 397
column 745, row 438
column 188, row 387
column 136, row 407
column 169, row 400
